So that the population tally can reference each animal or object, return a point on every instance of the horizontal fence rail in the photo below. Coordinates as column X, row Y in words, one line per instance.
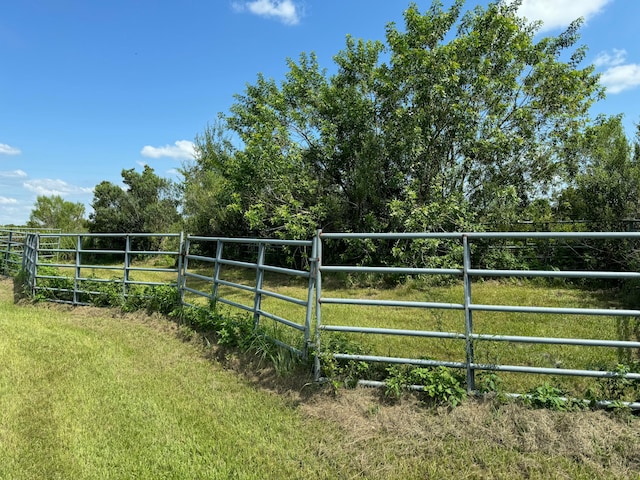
column 69, row 272
column 467, row 273
column 239, row 274
column 246, row 290
column 12, row 241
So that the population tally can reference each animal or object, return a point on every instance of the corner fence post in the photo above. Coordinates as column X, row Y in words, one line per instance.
column 468, row 319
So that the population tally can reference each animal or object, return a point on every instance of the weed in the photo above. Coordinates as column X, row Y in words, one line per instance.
column 440, row 385
column 163, row 299
column 395, row 383
column 615, row 388
column 346, row 372
column 488, row 382
column 265, row 349
column 552, row 398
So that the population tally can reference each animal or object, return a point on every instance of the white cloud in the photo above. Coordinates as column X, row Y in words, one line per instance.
column 284, row 10
column 13, row 174
column 617, row 75
column 7, row 201
column 560, row 13
column 8, row 150
column 604, row 59
column 47, row 186
column 621, row 77
column 181, row 150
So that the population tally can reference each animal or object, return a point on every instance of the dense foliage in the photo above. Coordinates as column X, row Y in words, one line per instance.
column 147, row 205
column 55, row 212
column 460, row 120
column 456, row 121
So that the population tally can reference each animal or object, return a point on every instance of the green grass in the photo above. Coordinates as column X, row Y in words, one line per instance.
column 491, row 292
column 91, row 394
column 95, row 397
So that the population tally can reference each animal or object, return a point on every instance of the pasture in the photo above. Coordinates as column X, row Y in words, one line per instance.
column 92, row 393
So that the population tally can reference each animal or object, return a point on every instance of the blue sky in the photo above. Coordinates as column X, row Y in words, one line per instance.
column 90, row 87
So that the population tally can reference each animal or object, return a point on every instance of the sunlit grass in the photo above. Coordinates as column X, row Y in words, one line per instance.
column 87, row 393
column 94, row 397
column 520, row 293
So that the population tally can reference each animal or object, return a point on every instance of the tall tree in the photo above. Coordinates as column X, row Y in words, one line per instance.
column 488, row 110
column 468, row 121
column 606, row 191
column 148, row 204
column 55, row 212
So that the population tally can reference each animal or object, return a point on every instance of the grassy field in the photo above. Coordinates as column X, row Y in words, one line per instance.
column 488, row 292
column 91, row 393
column 492, row 323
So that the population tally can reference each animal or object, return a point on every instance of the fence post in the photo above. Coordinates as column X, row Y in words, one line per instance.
column 34, row 275
column 313, row 267
column 468, row 319
column 77, row 276
column 257, row 299
column 216, row 270
column 26, row 252
column 127, row 264
column 182, row 264
column 318, row 246
column 30, row 260
column 7, row 254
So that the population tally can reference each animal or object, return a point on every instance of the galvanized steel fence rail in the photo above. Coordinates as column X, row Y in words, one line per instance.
column 201, row 265
column 466, row 333
column 12, row 241
column 216, row 288
column 81, row 271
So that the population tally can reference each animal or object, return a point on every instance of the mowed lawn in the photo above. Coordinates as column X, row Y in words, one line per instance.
column 84, row 395
column 89, row 393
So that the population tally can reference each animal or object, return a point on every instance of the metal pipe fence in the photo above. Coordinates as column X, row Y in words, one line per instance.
column 87, row 263
column 235, row 277
column 469, row 307
column 243, row 274
column 12, row 241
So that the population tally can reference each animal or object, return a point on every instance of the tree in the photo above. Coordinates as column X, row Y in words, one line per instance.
column 55, row 212
column 606, row 190
column 605, row 194
column 470, row 113
column 490, row 109
column 147, row 205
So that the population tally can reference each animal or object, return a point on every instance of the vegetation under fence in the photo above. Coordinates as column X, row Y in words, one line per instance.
column 564, row 334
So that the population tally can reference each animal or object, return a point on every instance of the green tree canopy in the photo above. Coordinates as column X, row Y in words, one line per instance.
column 606, row 190
column 148, row 204
column 55, row 212
column 458, row 119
